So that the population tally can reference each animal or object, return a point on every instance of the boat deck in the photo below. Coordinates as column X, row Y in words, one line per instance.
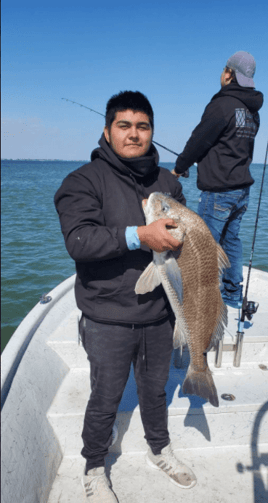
column 227, row 447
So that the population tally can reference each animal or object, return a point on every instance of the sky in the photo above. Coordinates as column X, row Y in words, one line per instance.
column 173, row 51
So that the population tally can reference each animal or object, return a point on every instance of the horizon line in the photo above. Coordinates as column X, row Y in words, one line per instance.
column 76, row 160
column 61, row 160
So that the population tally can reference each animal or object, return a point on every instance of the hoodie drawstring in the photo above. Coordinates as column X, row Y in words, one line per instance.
column 143, row 345
column 137, row 193
column 144, row 356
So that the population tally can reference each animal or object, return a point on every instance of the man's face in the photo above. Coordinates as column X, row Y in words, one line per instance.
column 130, row 134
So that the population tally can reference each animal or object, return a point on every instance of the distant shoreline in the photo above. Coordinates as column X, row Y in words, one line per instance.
column 49, row 160
column 78, row 160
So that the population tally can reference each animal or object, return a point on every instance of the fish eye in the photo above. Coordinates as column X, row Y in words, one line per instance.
column 165, row 206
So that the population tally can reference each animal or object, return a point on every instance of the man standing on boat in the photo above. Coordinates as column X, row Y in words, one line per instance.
column 102, row 220
column 222, row 145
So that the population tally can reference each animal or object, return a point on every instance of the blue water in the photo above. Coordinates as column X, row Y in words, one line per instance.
column 34, row 258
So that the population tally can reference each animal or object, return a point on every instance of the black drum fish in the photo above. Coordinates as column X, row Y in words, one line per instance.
column 191, row 279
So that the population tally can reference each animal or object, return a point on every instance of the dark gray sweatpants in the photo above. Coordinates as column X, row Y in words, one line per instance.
column 111, row 349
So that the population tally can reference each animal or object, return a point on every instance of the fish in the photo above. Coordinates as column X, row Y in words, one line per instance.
column 191, row 278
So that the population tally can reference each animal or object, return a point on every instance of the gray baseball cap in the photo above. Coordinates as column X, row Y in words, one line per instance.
column 244, row 66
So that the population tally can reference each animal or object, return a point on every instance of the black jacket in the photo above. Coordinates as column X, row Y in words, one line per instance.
column 222, row 143
column 95, row 204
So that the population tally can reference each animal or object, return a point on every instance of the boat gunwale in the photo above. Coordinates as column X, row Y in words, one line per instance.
column 20, row 340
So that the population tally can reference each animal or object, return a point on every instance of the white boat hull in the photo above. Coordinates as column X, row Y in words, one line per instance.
column 47, row 392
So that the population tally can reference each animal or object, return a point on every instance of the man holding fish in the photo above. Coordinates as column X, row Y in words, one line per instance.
column 101, row 208
column 222, row 145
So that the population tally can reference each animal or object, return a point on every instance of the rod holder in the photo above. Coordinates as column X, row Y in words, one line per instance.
column 218, row 355
column 238, row 349
column 178, row 357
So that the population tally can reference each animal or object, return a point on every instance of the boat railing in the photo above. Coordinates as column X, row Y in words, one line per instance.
column 20, row 340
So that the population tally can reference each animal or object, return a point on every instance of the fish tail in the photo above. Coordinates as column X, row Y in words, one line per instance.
column 201, row 383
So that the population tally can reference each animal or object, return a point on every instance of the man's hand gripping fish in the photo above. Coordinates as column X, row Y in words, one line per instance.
column 190, row 278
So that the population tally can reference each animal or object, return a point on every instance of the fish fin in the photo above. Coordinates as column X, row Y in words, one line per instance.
column 173, row 273
column 218, row 331
column 222, row 320
column 179, row 335
column 223, row 261
column 148, row 280
column 201, row 383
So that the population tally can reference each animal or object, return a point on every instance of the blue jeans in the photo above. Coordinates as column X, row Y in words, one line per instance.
column 222, row 212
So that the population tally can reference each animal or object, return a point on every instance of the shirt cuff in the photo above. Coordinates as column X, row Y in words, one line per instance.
column 132, row 238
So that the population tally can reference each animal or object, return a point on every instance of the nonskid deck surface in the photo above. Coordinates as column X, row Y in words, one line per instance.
column 226, row 446
column 224, row 475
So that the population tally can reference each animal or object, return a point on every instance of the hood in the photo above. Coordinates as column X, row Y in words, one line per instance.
column 250, row 97
column 137, row 166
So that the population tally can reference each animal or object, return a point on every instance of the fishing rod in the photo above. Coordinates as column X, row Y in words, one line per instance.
column 185, row 174
column 249, row 307
column 84, row 106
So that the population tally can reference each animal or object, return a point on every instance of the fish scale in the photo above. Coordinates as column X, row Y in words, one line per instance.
column 191, row 280
column 201, row 307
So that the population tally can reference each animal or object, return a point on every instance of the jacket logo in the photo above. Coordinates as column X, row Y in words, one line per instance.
column 245, row 123
column 240, row 117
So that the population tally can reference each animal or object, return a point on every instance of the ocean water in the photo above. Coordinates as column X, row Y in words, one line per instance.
column 34, row 258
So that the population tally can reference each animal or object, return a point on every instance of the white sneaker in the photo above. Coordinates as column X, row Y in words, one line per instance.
column 177, row 472
column 97, row 487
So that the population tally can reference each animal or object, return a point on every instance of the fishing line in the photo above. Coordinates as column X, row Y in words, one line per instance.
column 249, row 308
column 185, row 174
column 91, row 109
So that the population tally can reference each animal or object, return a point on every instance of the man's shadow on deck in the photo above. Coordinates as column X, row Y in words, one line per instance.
column 259, row 459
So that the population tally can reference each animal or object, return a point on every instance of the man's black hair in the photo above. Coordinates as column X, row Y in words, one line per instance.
column 128, row 100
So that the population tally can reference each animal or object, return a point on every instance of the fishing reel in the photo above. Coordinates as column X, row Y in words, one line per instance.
column 250, row 308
